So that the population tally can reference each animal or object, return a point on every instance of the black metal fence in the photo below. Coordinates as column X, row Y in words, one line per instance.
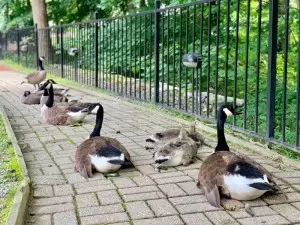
column 250, row 56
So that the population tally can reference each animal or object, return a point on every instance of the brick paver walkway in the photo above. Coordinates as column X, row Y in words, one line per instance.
column 140, row 196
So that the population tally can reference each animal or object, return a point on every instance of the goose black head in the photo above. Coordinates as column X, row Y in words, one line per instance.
column 26, row 93
column 227, row 110
column 42, row 58
column 47, row 84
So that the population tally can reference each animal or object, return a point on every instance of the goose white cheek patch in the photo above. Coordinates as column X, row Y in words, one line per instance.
column 227, row 112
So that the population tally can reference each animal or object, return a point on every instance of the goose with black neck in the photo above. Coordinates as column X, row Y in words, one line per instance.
column 229, row 174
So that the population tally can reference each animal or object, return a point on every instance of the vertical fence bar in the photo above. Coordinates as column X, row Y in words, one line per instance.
column 180, row 56
column 36, row 44
column 162, row 58
column 18, row 44
column 174, row 57
column 201, row 48
column 168, row 58
column 298, row 86
column 150, row 61
column 193, row 75
column 246, row 64
column 145, row 53
column 236, row 56
column 156, row 50
column 227, row 50
column 208, row 59
column 217, row 59
column 140, row 56
column 272, row 53
column 258, row 64
column 285, row 60
column 187, row 50
column 96, row 52
column 61, row 51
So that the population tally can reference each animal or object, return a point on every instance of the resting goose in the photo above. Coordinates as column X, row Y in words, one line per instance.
column 231, row 175
column 105, row 154
column 58, row 114
column 178, row 151
column 165, row 136
column 38, row 76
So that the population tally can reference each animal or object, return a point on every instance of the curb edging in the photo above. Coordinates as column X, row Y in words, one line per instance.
column 18, row 208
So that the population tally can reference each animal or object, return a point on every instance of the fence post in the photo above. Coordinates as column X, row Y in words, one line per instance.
column 36, row 44
column 156, row 50
column 272, row 53
column 96, row 52
column 18, row 44
column 61, row 30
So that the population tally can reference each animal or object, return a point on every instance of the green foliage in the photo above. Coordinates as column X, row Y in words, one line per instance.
column 10, row 171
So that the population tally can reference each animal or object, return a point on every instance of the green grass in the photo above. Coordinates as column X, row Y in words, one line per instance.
column 12, row 171
column 279, row 149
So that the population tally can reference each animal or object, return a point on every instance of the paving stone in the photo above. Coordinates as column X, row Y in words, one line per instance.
column 124, row 182
column 104, row 219
column 238, row 214
column 296, row 204
column 190, row 188
column 97, row 210
column 143, row 181
column 147, row 169
column 39, row 219
column 288, row 174
column 139, row 210
column 95, row 188
column 86, row 200
column 75, row 178
column 288, row 211
column 292, row 180
column 65, row 189
column 279, row 198
column 43, row 191
column 51, row 170
column 266, row 220
column 162, row 207
column 220, row 218
column 143, row 196
column 171, row 190
column 168, row 220
column 48, row 180
column 195, row 207
column 167, row 174
column 136, row 190
column 263, row 211
column 63, row 218
column 52, row 200
column 108, row 197
column 256, row 202
column 52, row 208
column 195, row 219
column 172, row 179
column 188, row 200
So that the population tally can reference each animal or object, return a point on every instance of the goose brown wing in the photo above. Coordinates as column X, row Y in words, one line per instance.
column 211, row 175
column 114, row 142
column 82, row 160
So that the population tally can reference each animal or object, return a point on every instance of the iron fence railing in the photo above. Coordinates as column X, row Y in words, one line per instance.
column 249, row 49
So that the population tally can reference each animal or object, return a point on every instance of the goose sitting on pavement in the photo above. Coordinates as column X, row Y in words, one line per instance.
column 177, row 151
column 36, row 77
column 105, row 154
column 163, row 137
column 60, row 114
column 229, row 174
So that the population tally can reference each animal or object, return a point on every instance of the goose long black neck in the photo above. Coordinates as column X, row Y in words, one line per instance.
column 222, row 143
column 99, row 121
column 41, row 65
column 50, row 100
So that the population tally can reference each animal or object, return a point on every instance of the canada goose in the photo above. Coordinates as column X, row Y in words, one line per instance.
column 234, row 176
column 105, row 154
column 58, row 97
column 165, row 136
column 64, row 101
column 178, row 151
column 58, row 114
column 38, row 76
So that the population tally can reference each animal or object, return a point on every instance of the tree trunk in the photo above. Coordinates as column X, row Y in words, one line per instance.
column 40, row 18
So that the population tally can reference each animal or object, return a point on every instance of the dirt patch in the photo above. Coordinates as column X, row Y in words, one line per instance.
column 4, row 68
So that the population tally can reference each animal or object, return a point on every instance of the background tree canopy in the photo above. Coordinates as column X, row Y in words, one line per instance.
column 19, row 12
